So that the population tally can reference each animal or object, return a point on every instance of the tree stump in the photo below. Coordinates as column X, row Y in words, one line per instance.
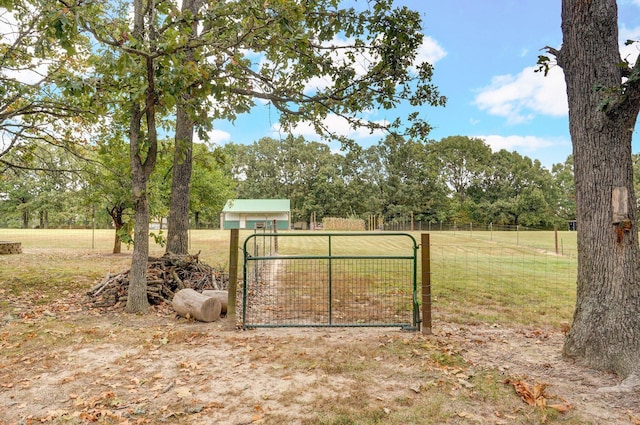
column 190, row 303
column 220, row 295
column 10, row 248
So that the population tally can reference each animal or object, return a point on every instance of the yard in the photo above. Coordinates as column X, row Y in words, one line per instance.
column 63, row 362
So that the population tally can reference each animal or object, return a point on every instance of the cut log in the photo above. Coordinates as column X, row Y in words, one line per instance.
column 10, row 247
column 190, row 303
column 220, row 295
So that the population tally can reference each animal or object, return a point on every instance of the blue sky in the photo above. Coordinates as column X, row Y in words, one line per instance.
column 484, row 53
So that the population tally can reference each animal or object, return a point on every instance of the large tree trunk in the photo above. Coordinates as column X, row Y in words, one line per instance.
column 606, row 326
column 143, row 158
column 137, row 301
column 178, row 222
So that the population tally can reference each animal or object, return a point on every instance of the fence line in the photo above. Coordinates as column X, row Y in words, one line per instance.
column 475, row 276
column 472, row 283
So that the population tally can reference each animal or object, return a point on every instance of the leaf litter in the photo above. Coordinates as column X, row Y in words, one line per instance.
column 60, row 361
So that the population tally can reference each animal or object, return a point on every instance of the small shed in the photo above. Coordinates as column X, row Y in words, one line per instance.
column 256, row 213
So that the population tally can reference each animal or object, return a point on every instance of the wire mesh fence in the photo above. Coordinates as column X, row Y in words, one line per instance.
column 331, row 289
column 500, row 277
column 502, row 284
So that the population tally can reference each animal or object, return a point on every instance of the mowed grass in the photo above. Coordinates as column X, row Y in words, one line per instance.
column 494, row 277
column 479, row 276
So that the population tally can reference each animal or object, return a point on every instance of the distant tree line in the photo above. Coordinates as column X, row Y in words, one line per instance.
column 93, row 188
column 455, row 179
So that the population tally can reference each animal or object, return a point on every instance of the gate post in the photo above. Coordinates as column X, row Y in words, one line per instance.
column 426, row 283
column 232, row 289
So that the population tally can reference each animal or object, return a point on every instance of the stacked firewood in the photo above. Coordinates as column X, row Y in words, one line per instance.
column 165, row 276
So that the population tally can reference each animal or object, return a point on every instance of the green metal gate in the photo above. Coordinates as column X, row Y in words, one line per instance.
column 330, row 279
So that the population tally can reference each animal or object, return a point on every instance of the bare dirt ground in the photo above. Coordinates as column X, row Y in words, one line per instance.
column 62, row 363
column 536, row 355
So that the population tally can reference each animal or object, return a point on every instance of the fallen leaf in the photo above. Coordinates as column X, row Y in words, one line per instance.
column 532, row 396
column 535, row 396
column 183, row 392
column 565, row 407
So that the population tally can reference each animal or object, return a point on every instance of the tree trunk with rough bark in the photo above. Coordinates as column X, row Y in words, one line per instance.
column 143, row 153
column 116, row 214
column 178, row 223
column 605, row 333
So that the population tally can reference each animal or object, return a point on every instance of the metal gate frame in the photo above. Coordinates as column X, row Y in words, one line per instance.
column 251, row 262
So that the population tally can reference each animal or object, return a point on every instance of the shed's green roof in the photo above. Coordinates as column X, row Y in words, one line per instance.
column 257, row 205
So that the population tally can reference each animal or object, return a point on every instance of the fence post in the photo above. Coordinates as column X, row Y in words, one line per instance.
column 233, row 279
column 426, row 283
column 275, row 239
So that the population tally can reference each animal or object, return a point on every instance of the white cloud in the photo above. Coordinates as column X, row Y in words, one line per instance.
column 520, row 143
column 335, row 124
column 630, row 52
column 216, row 137
column 519, row 98
column 430, row 51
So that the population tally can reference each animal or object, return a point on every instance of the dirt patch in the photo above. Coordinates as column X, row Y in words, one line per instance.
column 76, row 366
column 535, row 355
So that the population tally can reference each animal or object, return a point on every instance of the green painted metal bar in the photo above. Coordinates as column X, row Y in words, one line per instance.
column 334, row 257
column 330, row 284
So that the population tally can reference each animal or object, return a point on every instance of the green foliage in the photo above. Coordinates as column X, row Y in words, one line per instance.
column 215, row 62
column 125, row 234
column 457, row 178
column 159, row 238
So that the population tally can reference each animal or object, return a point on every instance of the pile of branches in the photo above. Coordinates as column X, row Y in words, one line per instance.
column 165, row 276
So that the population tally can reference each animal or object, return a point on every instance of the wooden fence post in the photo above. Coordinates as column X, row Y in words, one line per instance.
column 233, row 279
column 426, row 283
column 275, row 238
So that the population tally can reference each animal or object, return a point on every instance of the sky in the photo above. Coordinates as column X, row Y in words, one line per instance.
column 484, row 54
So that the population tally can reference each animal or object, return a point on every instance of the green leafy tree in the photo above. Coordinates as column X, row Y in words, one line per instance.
column 306, row 173
column 515, row 190
column 365, row 58
column 463, row 162
column 110, row 181
column 604, row 99
column 45, row 186
column 410, row 180
column 565, row 208
column 34, row 52
column 211, row 185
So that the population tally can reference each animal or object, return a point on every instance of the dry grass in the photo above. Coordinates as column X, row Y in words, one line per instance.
column 63, row 363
